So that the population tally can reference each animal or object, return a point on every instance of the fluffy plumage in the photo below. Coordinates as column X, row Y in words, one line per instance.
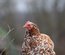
column 36, row 43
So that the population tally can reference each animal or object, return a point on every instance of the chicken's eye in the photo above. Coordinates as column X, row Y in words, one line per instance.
column 28, row 25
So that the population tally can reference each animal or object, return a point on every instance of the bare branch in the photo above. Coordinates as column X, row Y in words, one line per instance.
column 7, row 32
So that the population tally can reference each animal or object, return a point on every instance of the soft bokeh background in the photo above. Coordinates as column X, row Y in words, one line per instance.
column 48, row 14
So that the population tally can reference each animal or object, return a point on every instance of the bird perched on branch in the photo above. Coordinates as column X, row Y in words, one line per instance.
column 35, row 42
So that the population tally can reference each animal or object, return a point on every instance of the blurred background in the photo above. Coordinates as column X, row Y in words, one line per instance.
column 49, row 15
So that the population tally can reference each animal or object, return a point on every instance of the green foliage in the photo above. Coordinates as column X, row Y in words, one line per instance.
column 7, row 43
column 2, row 32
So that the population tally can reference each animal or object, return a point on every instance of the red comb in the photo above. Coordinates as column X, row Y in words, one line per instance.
column 27, row 22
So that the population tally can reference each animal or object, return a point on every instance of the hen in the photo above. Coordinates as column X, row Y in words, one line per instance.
column 36, row 43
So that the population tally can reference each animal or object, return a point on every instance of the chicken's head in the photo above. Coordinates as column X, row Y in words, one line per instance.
column 32, row 28
column 28, row 25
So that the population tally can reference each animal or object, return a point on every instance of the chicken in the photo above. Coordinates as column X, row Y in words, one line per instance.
column 35, row 42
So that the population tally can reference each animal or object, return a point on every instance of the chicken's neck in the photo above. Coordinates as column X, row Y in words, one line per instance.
column 34, row 31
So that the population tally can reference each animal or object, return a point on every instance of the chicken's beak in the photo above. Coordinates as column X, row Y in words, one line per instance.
column 24, row 26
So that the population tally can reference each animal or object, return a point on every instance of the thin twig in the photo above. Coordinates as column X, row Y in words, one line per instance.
column 7, row 32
